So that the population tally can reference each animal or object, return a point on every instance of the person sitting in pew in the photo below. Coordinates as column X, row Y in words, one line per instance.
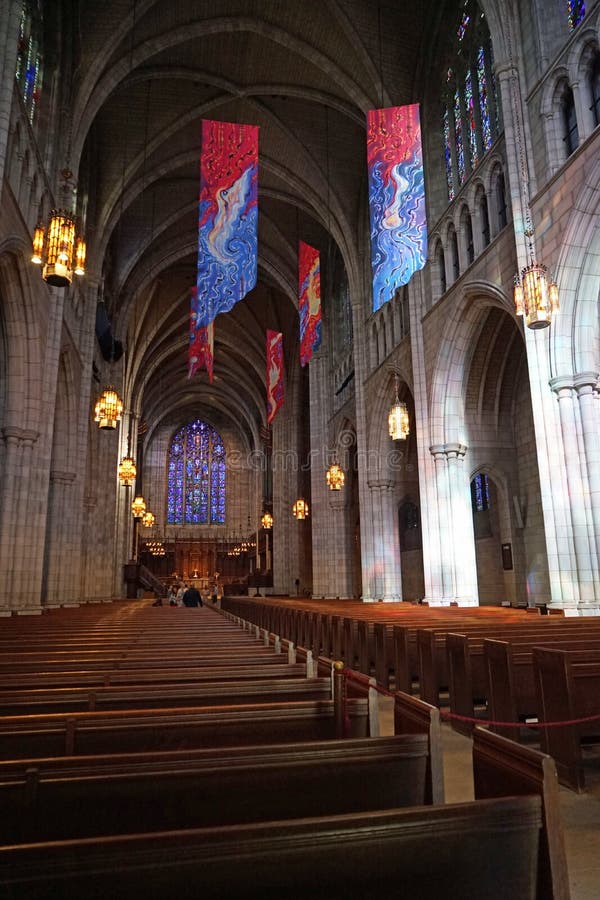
column 192, row 597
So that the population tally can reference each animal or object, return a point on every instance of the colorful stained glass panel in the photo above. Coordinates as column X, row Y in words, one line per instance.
column 196, row 476
column 484, row 111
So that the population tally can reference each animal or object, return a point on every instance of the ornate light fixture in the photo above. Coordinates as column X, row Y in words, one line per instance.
column 108, row 409
column 398, row 420
column 535, row 297
column 127, row 469
column 55, row 245
column 300, row 509
column 148, row 519
column 138, row 507
column 335, row 477
column 267, row 520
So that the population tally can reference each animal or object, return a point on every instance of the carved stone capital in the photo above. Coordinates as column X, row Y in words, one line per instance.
column 58, row 477
column 20, row 436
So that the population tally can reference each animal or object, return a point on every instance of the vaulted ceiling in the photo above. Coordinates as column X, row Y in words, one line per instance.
column 147, row 72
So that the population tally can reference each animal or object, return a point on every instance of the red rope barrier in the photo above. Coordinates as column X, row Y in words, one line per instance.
column 363, row 679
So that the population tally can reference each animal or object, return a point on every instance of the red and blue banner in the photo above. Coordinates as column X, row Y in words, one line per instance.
column 275, row 387
column 396, row 198
column 201, row 349
column 309, row 296
column 228, row 217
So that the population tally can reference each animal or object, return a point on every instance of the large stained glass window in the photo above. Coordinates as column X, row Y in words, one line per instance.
column 471, row 126
column 470, row 112
column 458, row 138
column 29, row 56
column 196, row 476
column 484, row 107
column 576, row 12
column 448, row 156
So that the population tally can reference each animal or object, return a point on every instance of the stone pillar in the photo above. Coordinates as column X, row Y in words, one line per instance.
column 15, row 528
column 388, row 575
column 585, row 573
column 370, row 582
column 456, row 536
column 57, row 574
column 430, row 511
column 341, row 559
column 10, row 17
column 322, row 534
column 589, row 411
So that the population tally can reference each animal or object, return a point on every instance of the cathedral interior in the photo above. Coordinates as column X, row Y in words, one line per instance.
column 494, row 495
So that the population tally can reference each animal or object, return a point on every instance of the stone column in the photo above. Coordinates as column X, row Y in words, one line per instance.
column 585, row 573
column 456, row 537
column 57, row 575
column 15, row 531
column 589, row 411
column 443, row 584
column 10, row 17
column 322, row 536
column 341, row 560
column 370, row 582
column 429, row 512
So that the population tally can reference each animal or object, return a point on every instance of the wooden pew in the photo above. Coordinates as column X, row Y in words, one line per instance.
column 487, row 848
column 50, row 700
column 413, row 716
column 512, row 689
column 569, row 688
column 159, row 792
column 77, row 733
column 503, row 768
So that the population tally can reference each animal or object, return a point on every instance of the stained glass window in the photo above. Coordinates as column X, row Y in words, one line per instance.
column 575, row 12
column 458, row 138
column 464, row 24
column 484, row 109
column 471, row 126
column 196, row 476
column 29, row 56
column 448, row 156
column 480, row 493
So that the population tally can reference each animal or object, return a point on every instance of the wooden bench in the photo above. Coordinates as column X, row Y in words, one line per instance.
column 512, row 689
column 163, row 791
column 73, row 733
column 503, row 768
column 487, row 848
column 569, row 688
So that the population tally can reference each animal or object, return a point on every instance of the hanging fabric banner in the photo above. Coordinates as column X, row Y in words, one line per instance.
column 202, row 342
column 396, row 198
column 275, row 386
column 228, row 217
column 309, row 295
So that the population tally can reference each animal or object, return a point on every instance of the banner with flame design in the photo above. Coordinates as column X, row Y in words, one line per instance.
column 275, row 386
column 396, row 198
column 309, row 305
column 202, row 342
column 228, row 217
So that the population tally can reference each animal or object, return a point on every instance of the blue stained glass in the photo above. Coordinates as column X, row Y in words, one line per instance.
column 448, row 156
column 472, row 128
column 480, row 493
column 458, row 137
column 464, row 24
column 576, row 12
column 29, row 59
column 196, row 476
column 486, row 127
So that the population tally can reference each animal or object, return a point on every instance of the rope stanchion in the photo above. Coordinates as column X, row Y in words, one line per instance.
column 364, row 679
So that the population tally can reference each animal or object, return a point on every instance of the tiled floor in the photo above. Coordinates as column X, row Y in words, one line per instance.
column 581, row 812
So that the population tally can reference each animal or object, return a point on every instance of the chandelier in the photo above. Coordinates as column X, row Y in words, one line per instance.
column 267, row 520
column 300, row 509
column 398, row 420
column 535, row 297
column 56, row 246
column 335, row 477
column 156, row 548
column 108, row 409
column 148, row 519
column 127, row 471
column 138, row 507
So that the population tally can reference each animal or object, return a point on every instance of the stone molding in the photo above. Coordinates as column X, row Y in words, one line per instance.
column 450, row 451
column 59, row 477
column 20, row 436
